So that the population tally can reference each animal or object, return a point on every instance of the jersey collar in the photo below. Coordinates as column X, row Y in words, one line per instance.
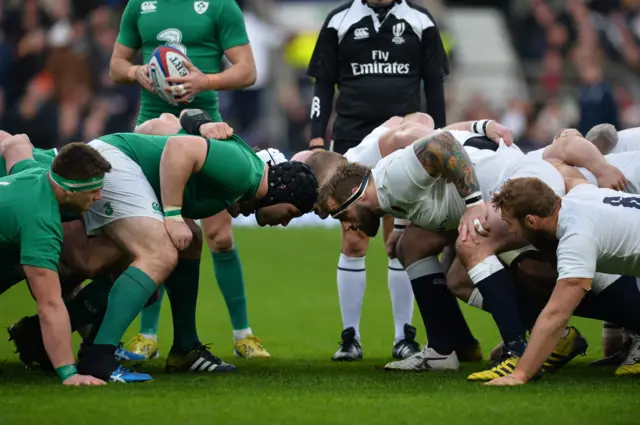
column 374, row 16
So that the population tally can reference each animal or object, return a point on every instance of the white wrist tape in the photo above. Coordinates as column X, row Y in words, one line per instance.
column 399, row 224
column 474, row 199
column 480, row 127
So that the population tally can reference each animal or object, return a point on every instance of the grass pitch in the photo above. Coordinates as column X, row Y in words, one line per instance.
column 293, row 307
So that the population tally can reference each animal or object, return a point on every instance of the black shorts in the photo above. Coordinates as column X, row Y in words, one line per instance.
column 342, row 146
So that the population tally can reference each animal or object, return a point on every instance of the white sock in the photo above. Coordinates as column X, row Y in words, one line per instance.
column 241, row 334
column 352, row 281
column 401, row 297
column 150, row 336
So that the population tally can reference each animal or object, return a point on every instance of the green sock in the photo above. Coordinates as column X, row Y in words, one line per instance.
column 129, row 294
column 90, row 304
column 182, row 289
column 228, row 271
column 150, row 316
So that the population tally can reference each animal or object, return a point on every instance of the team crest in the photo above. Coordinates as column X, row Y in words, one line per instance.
column 200, row 7
column 398, row 30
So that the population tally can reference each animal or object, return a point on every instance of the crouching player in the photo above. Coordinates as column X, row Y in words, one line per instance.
column 593, row 227
column 31, row 233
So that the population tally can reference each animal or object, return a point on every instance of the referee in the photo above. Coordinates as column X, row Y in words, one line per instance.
column 377, row 52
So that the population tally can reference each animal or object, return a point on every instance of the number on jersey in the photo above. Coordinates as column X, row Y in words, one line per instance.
column 617, row 201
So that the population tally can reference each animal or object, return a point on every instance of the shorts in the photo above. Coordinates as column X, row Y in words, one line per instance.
column 126, row 192
column 342, row 146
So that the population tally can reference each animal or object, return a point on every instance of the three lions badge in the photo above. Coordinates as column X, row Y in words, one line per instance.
column 200, row 6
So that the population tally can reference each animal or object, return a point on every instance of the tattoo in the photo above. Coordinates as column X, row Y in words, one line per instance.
column 442, row 155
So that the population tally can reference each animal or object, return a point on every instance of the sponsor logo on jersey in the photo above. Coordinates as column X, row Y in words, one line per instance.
column 380, row 68
column 4, row 183
column 380, row 65
column 172, row 37
column 148, row 6
column 361, row 33
column 398, row 30
column 200, row 7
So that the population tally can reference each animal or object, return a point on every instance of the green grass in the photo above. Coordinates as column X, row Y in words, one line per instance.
column 293, row 307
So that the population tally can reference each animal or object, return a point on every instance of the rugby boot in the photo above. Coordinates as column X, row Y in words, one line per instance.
column 250, row 348
column 407, row 346
column 199, row 359
column 570, row 346
column 350, row 348
column 631, row 365
column 146, row 347
column 469, row 353
column 427, row 360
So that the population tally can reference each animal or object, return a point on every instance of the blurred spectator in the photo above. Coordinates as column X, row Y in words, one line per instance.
column 597, row 104
column 36, row 114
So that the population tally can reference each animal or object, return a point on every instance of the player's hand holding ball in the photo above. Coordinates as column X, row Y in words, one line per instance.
column 184, row 88
column 140, row 73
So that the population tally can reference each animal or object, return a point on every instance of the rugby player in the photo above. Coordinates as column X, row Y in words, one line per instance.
column 608, row 140
column 587, row 222
column 31, row 232
column 398, row 182
column 204, row 31
column 130, row 214
column 397, row 133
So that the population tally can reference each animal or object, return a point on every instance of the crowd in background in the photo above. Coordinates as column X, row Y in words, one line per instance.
column 580, row 60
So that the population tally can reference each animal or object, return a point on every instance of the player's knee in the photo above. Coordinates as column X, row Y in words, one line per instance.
column 416, row 245
column 458, row 281
column 164, row 260
column 354, row 244
column 221, row 240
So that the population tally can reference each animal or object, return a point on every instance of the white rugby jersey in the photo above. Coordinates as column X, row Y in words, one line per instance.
column 627, row 162
column 628, row 140
column 598, row 230
column 407, row 191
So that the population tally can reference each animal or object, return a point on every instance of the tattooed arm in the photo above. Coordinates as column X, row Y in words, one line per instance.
column 442, row 155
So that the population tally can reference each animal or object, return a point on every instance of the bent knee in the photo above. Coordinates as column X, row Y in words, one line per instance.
column 354, row 244
column 221, row 240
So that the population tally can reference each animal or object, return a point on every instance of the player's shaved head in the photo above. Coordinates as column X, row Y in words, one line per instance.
column 302, row 156
column 604, row 137
column 324, row 164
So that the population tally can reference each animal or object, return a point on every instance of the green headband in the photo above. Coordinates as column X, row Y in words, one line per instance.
column 77, row 185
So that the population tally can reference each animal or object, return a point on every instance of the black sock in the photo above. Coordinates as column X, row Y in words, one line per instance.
column 499, row 299
column 90, row 305
column 437, row 305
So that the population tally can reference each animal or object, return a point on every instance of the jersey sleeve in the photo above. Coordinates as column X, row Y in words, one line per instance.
column 26, row 164
column 41, row 241
column 129, row 35
column 324, row 60
column 434, row 63
column 230, row 25
column 577, row 256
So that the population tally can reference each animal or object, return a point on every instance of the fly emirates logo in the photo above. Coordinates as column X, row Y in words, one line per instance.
column 380, row 65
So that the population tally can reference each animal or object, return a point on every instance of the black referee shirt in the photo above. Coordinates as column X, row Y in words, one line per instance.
column 377, row 66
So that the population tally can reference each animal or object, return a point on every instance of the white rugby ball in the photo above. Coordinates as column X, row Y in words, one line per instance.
column 166, row 62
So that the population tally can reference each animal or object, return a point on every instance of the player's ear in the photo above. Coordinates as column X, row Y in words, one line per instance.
column 530, row 221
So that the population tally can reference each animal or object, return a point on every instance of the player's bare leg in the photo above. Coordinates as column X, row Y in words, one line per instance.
column 228, row 272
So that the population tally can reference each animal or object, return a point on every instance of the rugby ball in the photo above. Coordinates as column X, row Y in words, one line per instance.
column 166, row 62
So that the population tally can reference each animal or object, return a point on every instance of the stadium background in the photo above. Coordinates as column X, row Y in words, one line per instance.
column 536, row 65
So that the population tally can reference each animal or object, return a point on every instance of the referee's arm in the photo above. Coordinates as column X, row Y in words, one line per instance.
column 324, row 68
column 435, row 66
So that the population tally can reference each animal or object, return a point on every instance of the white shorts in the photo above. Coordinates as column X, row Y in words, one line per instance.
column 126, row 192
column 368, row 151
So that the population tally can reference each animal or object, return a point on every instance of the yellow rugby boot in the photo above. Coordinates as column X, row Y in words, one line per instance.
column 250, row 348
column 146, row 347
column 631, row 365
column 570, row 345
column 504, row 365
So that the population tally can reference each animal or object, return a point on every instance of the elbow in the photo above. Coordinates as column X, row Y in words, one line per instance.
column 250, row 76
